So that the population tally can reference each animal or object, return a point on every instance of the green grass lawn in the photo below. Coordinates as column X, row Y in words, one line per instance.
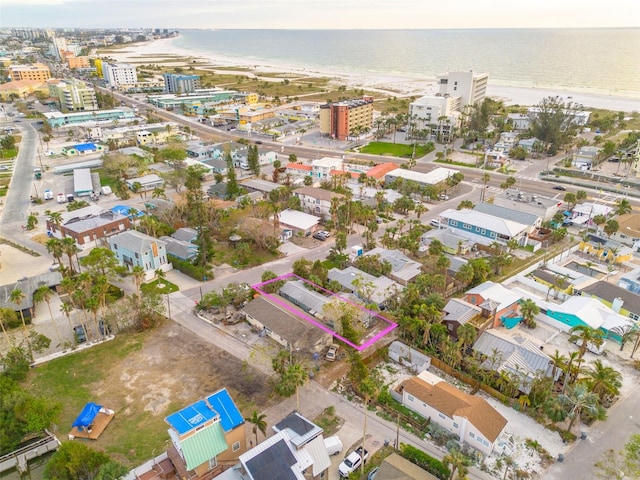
column 167, row 287
column 394, row 149
column 9, row 153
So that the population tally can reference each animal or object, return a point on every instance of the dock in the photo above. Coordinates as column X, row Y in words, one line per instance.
column 19, row 459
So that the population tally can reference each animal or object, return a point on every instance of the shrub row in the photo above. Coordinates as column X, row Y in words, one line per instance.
column 194, row 271
column 430, row 464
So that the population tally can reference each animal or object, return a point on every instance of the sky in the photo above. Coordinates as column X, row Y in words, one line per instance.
column 319, row 14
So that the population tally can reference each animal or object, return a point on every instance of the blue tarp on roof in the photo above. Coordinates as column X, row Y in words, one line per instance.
column 230, row 416
column 87, row 415
column 85, row 147
column 191, row 417
column 124, row 210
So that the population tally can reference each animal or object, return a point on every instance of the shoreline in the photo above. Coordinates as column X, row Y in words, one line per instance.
column 397, row 85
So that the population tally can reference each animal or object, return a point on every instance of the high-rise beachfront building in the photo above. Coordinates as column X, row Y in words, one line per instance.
column 36, row 71
column 471, row 87
column 178, row 83
column 340, row 120
column 117, row 74
column 440, row 114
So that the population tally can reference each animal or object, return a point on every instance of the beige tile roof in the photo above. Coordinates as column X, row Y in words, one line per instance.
column 451, row 401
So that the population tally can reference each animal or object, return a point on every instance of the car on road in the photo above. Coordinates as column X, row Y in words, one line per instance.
column 351, row 463
column 258, row 142
column 332, row 353
column 81, row 336
column 559, row 187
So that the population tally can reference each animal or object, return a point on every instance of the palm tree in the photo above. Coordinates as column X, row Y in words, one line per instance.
column 137, row 273
column 257, row 419
column 584, row 335
column 529, row 310
column 458, row 463
column 467, row 334
column 559, row 361
column 576, row 400
column 17, row 297
column 44, row 294
column 292, row 378
column 55, row 247
column 623, row 206
column 70, row 249
column 602, row 380
column 369, row 389
column 485, row 180
column 5, row 316
column 67, row 308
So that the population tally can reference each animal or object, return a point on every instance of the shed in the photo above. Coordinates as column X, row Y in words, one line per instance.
column 82, row 183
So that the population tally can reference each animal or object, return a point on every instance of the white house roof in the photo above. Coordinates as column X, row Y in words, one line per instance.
column 486, row 221
column 383, row 287
column 135, row 241
column 432, row 178
column 592, row 209
column 594, row 313
column 401, row 265
column 299, row 220
column 496, row 292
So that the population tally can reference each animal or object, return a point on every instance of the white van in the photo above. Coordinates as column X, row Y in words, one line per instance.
column 333, row 445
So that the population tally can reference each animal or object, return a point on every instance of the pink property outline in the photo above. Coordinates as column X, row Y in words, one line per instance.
column 302, row 314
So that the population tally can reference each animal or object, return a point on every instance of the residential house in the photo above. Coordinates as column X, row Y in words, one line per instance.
column 573, row 280
column 321, row 168
column 395, row 467
column 588, row 210
column 630, row 281
column 185, row 234
column 299, row 222
column 274, row 458
column 435, row 177
column 529, row 219
column 543, row 207
column 619, row 299
column 515, row 355
column 529, row 144
column 306, row 437
column 379, row 171
column 298, row 170
column 458, row 312
column 317, row 201
column 403, row 269
column 59, row 119
column 471, row 418
column 28, row 286
column 519, row 121
column 581, row 311
column 218, row 190
column 605, row 249
column 134, row 248
column 585, row 158
column 82, row 149
column 506, row 142
column 207, row 437
column 259, row 185
column 286, row 324
column 483, row 228
column 497, row 303
column 186, row 251
column 296, row 292
column 452, row 244
column 578, row 117
column 88, row 225
column 370, row 289
column 146, row 183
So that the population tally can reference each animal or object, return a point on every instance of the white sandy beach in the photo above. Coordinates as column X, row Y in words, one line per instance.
column 163, row 50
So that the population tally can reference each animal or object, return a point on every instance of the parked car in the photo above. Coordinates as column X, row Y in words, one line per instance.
column 81, row 336
column 61, row 198
column 559, row 187
column 48, row 195
column 434, row 222
column 442, row 196
column 372, row 474
column 351, row 463
column 322, row 236
column 332, row 353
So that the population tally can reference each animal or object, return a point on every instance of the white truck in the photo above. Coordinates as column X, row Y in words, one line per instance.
column 353, row 461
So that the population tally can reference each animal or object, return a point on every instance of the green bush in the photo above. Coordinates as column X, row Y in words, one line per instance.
column 421, row 459
column 194, row 271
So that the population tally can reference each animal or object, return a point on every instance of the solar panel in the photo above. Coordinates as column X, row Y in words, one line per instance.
column 273, row 463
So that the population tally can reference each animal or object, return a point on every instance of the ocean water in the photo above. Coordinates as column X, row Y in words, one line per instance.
column 602, row 61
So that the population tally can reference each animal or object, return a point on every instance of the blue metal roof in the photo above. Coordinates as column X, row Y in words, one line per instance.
column 124, row 210
column 230, row 416
column 85, row 147
column 190, row 417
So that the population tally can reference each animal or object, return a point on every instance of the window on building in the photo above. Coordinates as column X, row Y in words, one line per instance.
column 137, row 256
column 455, row 425
column 441, row 415
column 235, row 447
column 410, row 397
column 472, row 435
column 633, row 316
column 466, row 226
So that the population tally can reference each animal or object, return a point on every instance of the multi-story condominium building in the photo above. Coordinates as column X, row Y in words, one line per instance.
column 437, row 114
column 343, row 119
column 471, row 87
column 175, row 83
column 57, row 119
column 78, row 62
column 37, row 71
column 117, row 74
column 73, row 95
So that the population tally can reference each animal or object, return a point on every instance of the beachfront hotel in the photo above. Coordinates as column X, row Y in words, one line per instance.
column 470, row 87
column 58, row 119
column 73, row 95
column 340, row 120
column 176, row 83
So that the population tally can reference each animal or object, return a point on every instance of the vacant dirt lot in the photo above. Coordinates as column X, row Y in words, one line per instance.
column 145, row 377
